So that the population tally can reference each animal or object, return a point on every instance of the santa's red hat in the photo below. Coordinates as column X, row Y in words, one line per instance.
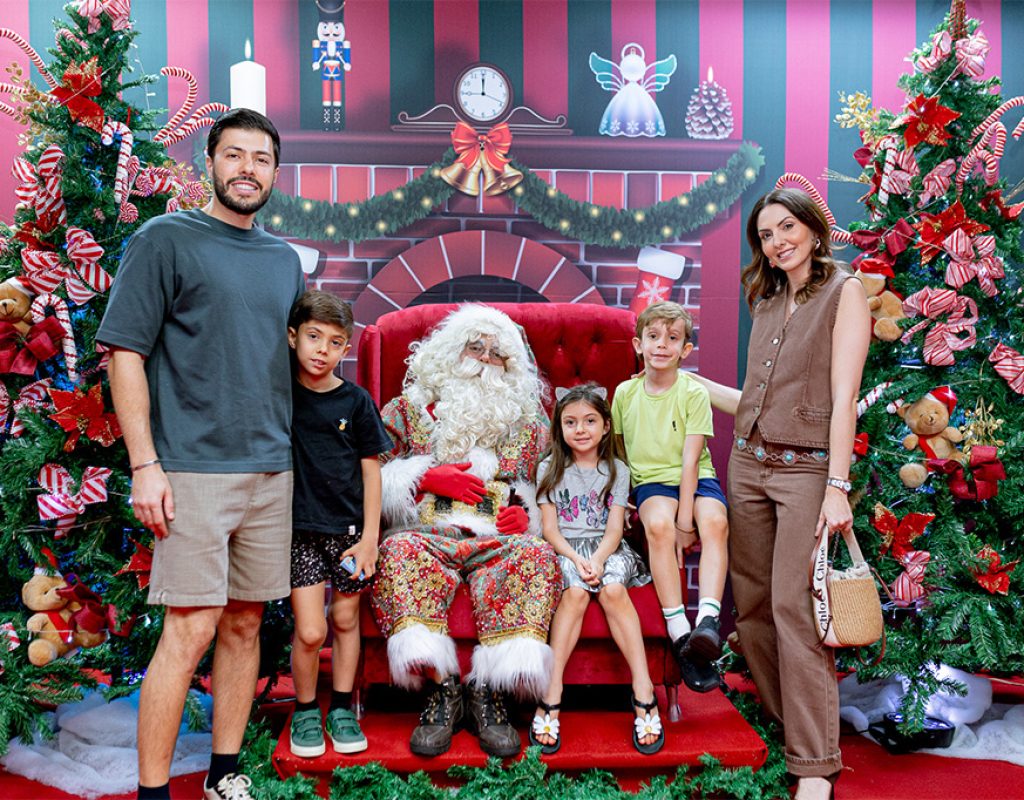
column 944, row 395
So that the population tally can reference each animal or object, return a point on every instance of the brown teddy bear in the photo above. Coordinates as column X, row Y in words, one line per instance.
column 54, row 633
column 15, row 304
column 928, row 420
column 886, row 308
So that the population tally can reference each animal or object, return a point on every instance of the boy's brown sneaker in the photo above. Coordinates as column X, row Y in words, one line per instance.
column 440, row 719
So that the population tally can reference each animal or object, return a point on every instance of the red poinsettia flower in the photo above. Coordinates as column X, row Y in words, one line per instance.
column 898, row 533
column 934, row 228
column 81, row 413
column 996, row 579
column 926, row 121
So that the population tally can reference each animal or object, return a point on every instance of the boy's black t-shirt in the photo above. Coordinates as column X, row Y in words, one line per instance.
column 331, row 432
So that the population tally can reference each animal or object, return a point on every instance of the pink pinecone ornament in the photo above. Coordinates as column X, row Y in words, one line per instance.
column 709, row 115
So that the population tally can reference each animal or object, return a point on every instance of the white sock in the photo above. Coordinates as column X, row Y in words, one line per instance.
column 709, row 607
column 676, row 622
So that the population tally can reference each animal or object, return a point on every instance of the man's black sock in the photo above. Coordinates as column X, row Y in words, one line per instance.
column 221, row 764
column 155, row 792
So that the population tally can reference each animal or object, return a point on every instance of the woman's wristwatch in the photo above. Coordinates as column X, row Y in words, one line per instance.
column 839, row 483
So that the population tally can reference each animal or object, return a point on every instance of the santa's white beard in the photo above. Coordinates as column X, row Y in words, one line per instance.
column 476, row 407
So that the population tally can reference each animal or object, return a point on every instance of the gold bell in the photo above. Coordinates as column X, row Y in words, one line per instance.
column 465, row 179
column 508, row 179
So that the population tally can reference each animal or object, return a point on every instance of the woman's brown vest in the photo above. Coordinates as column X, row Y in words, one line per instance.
column 788, row 392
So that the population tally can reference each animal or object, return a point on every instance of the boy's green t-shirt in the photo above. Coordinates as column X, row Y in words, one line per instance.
column 654, row 428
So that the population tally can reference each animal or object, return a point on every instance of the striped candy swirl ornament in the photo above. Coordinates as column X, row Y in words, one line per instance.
column 61, row 502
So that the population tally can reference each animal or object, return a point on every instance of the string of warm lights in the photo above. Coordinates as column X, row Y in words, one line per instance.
column 320, row 220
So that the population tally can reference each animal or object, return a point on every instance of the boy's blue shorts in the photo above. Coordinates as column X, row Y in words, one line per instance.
column 706, row 487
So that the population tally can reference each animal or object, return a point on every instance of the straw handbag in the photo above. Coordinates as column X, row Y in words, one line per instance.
column 847, row 608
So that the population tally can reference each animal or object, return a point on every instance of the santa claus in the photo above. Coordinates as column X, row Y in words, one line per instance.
column 458, row 499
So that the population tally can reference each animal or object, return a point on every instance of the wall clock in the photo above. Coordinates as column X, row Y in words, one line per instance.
column 482, row 93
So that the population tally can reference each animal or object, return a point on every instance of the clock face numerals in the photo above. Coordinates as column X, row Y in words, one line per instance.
column 483, row 93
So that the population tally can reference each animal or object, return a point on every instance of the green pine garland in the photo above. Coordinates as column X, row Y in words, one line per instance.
column 527, row 778
column 381, row 215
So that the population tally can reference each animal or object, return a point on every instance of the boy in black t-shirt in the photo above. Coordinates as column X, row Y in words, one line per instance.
column 337, row 435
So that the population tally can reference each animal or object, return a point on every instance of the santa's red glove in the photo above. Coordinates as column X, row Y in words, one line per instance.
column 512, row 519
column 452, row 480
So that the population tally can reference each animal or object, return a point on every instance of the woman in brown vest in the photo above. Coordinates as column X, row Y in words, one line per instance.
column 789, row 467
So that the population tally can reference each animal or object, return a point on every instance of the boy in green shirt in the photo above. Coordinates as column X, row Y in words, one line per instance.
column 663, row 418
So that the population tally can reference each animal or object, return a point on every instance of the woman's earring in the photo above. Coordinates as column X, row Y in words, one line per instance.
column 817, row 243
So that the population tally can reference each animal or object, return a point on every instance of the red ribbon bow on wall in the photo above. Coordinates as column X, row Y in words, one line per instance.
column 61, row 502
column 40, row 187
column 481, row 153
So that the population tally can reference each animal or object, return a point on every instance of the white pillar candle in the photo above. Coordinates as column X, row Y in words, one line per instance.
column 249, row 83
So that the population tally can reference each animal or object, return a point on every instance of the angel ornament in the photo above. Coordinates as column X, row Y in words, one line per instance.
column 632, row 111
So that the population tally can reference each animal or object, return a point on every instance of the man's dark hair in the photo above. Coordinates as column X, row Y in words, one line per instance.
column 243, row 118
column 319, row 306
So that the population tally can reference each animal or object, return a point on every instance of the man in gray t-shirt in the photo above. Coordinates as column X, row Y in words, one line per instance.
column 199, row 374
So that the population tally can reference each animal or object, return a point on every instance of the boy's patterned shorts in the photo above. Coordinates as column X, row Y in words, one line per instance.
column 316, row 557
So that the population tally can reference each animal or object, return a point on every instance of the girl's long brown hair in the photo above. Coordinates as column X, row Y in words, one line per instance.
column 760, row 279
column 561, row 453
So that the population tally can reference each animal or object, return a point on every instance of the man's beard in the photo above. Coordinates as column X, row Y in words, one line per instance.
column 476, row 407
column 247, row 206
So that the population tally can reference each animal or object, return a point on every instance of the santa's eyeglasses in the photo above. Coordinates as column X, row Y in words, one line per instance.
column 479, row 349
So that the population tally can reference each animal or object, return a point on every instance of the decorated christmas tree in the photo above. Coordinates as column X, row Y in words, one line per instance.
column 939, row 475
column 94, row 168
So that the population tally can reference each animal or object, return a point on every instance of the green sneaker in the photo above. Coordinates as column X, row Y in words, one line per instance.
column 306, row 737
column 344, row 730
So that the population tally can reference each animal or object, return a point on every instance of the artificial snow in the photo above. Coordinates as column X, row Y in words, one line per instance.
column 94, row 750
column 984, row 730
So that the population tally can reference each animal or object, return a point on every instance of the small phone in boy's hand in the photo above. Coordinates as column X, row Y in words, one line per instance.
column 348, row 563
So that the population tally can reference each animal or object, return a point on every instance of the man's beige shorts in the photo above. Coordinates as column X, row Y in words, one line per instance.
column 230, row 539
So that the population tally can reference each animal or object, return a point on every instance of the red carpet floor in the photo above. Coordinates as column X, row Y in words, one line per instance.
column 870, row 774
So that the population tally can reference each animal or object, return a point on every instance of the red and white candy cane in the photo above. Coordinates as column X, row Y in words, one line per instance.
column 1015, row 102
column 838, row 235
column 871, row 398
column 39, row 306
column 989, row 149
column 191, row 127
column 186, row 107
column 26, row 48
column 110, row 130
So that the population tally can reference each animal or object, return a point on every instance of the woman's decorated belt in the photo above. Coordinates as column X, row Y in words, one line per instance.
column 783, row 456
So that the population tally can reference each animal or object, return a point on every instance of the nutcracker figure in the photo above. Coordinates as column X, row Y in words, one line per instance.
column 332, row 55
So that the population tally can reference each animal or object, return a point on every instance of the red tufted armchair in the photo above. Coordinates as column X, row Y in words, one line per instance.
column 572, row 344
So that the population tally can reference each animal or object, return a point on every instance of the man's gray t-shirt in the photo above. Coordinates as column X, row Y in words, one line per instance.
column 207, row 304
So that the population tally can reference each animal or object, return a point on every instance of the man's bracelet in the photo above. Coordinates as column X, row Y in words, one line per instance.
column 685, row 530
column 145, row 464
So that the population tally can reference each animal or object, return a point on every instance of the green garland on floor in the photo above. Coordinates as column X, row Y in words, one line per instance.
column 527, row 778
column 319, row 220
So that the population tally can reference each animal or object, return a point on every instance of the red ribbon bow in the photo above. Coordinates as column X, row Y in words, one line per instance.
column 944, row 338
column 996, row 578
column 85, row 254
column 493, row 145
column 942, row 46
column 1010, row 365
column 32, row 395
column 936, row 183
column 63, row 504
column 82, row 81
column 977, row 260
column 873, row 260
column 909, row 584
column 970, row 54
column 80, row 412
column 119, row 12
column 94, row 614
column 21, row 353
column 986, row 472
column 40, row 187
column 995, row 199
